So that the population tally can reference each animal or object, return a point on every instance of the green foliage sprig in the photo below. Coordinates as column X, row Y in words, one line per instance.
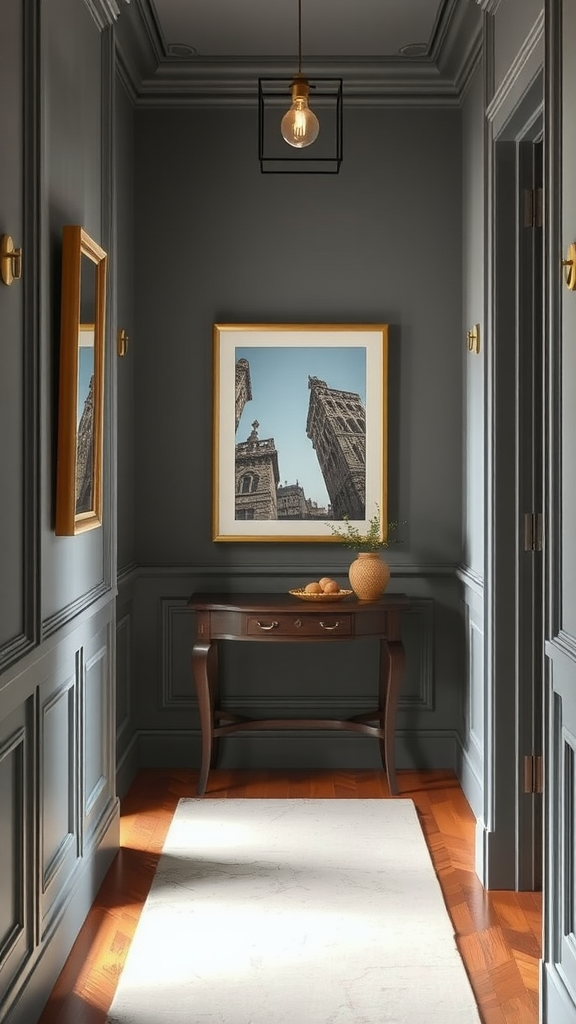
column 372, row 540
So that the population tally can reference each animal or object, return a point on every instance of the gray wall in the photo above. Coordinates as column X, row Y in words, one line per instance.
column 58, row 810
column 217, row 241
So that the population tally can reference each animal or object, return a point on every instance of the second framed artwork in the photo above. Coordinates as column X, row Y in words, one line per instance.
column 300, row 429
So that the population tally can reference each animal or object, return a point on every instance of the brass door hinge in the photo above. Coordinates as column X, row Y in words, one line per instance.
column 533, row 773
column 533, row 207
column 532, row 531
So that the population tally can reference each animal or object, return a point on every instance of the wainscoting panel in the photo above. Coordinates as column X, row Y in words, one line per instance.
column 59, row 773
column 471, row 768
column 98, row 731
column 124, row 658
column 292, row 680
column 16, row 894
column 177, row 636
column 57, row 777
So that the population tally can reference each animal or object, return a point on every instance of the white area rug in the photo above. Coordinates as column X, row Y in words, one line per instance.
column 294, row 912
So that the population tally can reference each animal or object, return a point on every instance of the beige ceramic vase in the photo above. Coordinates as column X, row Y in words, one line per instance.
column 369, row 576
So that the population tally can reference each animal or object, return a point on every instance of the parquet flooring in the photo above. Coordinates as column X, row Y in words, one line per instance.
column 498, row 933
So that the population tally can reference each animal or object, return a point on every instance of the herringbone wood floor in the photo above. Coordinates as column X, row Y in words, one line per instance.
column 498, row 933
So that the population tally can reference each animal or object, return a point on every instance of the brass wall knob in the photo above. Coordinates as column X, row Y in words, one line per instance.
column 10, row 260
column 569, row 265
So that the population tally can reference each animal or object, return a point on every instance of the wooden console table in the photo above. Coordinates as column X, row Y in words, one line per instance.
column 281, row 618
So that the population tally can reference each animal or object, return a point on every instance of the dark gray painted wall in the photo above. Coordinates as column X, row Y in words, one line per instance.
column 124, row 275
column 218, row 241
column 58, row 810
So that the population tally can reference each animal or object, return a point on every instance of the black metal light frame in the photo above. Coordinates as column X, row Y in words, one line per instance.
column 327, row 94
column 294, row 160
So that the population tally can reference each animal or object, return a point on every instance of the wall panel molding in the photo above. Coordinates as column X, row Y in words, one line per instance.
column 64, row 615
column 98, row 661
column 12, row 932
column 471, row 579
column 58, row 719
column 124, row 672
column 177, row 630
column 253, row 571
column 564, row 644
column 18, row 645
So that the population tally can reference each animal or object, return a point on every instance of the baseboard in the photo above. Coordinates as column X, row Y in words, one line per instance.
column 298, row 751
column 127, row 766
column 46, row 964
column 470, row 781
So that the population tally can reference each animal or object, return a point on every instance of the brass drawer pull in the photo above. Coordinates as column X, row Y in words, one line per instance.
column 262, row 626
column 325, row 626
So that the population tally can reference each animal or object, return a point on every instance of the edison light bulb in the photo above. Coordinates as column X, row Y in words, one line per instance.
column 300, row 126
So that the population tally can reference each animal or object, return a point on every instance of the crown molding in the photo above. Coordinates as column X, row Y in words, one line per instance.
column 490, row 6
column 460, row 45
column 104, row 12
column 155, row 78
column 235, row 84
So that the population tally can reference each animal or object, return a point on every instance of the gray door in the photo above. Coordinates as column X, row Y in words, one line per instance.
column 558, row 982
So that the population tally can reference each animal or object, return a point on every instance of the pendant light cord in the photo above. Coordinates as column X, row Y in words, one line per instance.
column 299, row 37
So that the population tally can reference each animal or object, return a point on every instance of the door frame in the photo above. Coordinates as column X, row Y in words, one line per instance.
column 510, row 843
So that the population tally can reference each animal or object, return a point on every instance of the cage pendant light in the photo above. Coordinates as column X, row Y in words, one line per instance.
column 282, row 151
column 299, row 126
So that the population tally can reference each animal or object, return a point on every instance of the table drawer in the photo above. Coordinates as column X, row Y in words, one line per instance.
column 318, row 624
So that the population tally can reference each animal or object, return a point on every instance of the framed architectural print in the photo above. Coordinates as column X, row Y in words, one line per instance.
column 300, row 429
column 81, row 384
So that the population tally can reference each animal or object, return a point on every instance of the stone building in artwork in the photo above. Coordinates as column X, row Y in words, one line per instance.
column 291, row 501
column 257, row 477
column 336, row 425
column 243, row 387
column 85, row 455
column 293, row 504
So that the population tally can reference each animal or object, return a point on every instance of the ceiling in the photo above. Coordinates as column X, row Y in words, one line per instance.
column 269, row 28
column 187, row 51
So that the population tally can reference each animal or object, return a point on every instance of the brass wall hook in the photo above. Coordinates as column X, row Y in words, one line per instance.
column 10, row 260
column 569, row 265
column 473, row 339
column 122, row 340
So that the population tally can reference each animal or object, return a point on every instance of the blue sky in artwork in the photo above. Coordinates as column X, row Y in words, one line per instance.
column 280, row 396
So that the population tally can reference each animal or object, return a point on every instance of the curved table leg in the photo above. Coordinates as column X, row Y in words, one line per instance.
column 392, row 660
column 205, row 694
column 214, row 684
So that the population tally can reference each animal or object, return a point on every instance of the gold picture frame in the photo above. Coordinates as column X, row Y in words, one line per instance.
column 81, row 384
column 300, row 429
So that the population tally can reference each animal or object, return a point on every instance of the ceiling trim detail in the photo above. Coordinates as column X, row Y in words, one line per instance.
column 491, row 6
column 154, row 78
column 104, row 12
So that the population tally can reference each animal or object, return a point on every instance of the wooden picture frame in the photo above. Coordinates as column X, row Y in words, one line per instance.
column 300, row 429
column 81, row 384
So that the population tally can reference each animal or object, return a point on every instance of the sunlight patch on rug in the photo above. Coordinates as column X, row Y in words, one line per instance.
column 294, row 912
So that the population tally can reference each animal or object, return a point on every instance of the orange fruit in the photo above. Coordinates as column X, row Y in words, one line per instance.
column 326, row 581
column 331, row 587
column 312, row 588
